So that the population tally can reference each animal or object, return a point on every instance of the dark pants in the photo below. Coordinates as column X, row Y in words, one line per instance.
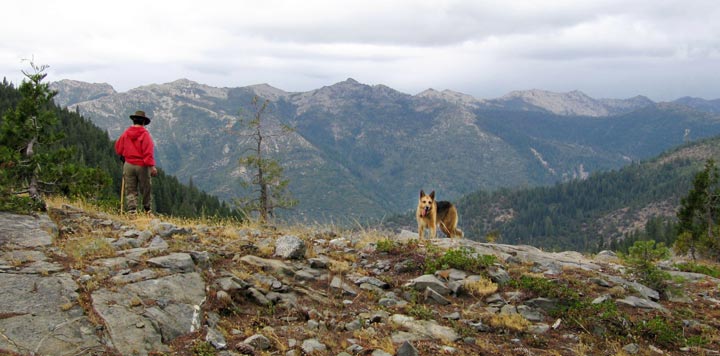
column 137, row 183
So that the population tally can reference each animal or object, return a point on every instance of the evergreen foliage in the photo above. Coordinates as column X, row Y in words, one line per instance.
column 568, row 215
column 699, row 214
column 34, row 163
column 84, row 164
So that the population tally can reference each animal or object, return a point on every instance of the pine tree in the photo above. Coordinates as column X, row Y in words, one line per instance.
column 32, row 161
column 698, row 214
column 270, row 186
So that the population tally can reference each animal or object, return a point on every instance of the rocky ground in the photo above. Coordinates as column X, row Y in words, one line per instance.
column 76, row 282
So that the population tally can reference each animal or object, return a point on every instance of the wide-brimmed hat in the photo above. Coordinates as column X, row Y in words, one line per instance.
column 141, row 115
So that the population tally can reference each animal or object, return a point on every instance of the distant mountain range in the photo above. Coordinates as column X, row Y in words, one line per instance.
column 361, row 151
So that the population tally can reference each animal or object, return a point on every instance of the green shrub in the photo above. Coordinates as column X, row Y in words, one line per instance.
column 711, row 271
column 204, row 349
column 642, row 257
column 661, row 331
column 386, row 245
column 420, row 311
column 462, row 258
column 543, row 287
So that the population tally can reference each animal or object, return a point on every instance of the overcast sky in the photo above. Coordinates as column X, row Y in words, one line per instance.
column 663, row 49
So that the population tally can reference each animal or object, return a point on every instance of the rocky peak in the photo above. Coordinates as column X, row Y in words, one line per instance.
column 267, row 91
column 71, row 92
column 570, row 103
column 573, row 103
column 331, row 98
column 450, row 96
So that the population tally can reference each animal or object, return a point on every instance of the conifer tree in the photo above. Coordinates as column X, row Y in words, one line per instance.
column 699, row 213
column 270, row 187
column 31, row 161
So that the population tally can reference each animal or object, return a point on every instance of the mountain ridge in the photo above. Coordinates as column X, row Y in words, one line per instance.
column 364, row 151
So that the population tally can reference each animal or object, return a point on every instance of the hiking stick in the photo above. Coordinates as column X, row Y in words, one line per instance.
column 122, row 194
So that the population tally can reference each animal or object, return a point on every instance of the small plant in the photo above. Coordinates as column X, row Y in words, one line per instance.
column 707, row 270
column 420, row 311
column 480, row 288
column 386, row 245
column 641, row 258
column 544, row 287
column 463, row 258
column 85, row 249
column 203, row 349
column 511, row 322
column 661, row 331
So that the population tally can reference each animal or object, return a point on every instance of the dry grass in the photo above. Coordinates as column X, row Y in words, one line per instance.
column 511, row 322
column 83, row 250
column 480, row 288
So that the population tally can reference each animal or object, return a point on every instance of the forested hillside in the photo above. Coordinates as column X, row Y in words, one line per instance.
column 93, row 148
column 587, row 214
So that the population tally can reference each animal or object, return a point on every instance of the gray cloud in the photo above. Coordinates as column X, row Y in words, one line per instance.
column 609, row 48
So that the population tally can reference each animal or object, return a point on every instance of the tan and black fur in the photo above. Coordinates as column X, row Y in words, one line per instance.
column 430, row 213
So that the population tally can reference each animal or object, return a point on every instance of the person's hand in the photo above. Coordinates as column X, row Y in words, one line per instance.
column 153, row 171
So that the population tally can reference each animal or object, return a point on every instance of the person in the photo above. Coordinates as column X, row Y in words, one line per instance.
column 136, row 150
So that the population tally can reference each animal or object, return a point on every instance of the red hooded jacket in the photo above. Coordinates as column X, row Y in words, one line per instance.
column 136, row 145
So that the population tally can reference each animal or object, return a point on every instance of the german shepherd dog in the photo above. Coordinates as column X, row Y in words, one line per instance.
column 430, row 213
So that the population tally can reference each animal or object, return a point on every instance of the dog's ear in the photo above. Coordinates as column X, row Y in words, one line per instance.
column 432, row 195
column 422, row 193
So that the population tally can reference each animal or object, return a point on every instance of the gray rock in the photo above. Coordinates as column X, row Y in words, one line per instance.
column 642, row 303
column 407, row 349
column 201, row 258
column 158, row 244
column 175, row 262
column 166, row 230
column 135, row 329
column 423, row 329
column 259, row 342
column 452, row 274
column 353, row 325
column 601, row 299
column 290, row 247
column 452, row 316
column 632, row 348
column 380, row 353
column 432, row 296
column 231, row 284
column 499, row 275
column 310, row 346
column 275, row 266
column 216, row 338
column 531, row 314
column 645, row 291
column 601, row 282
column 319, row 262
column 429, row 281
column 258, row 297
column 133, row 277
column 547, row 305
column 38, row 319
column 538, row 329
column 346, row 288
column 26, row 232
column 495, row 300
column 373, row 281
column 405, row 266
